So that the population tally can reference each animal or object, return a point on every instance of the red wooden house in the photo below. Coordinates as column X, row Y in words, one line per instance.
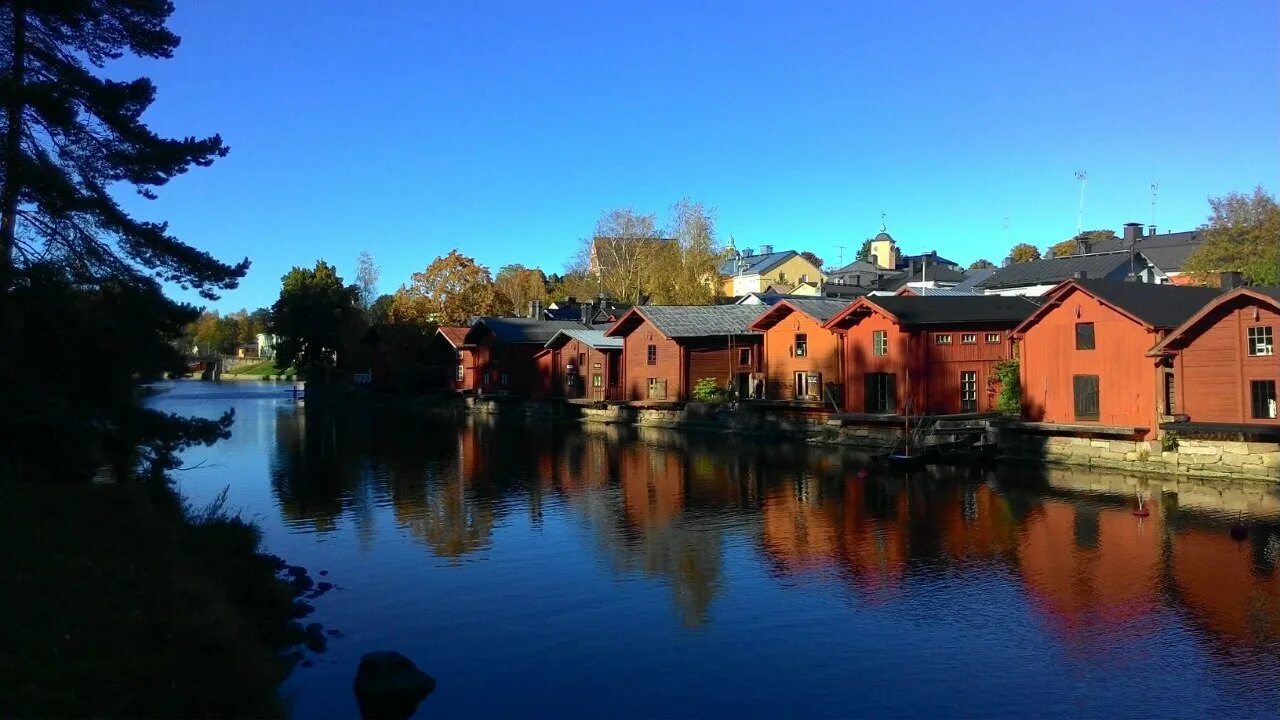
column 801, row 357
column 1225, row 366
column 506, row 352
column 925, row 355
column 666, row 349
column 1084, row 354
column 451, row 360
column 583, row 363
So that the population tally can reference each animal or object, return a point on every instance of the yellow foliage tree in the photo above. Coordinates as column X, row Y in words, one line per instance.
column 450, row 291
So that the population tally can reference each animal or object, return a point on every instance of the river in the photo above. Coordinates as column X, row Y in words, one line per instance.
column 603, row 572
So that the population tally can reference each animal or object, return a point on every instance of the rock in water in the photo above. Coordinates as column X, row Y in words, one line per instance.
column 388, row 685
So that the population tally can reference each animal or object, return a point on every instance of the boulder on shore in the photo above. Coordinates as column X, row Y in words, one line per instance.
column 388, row 685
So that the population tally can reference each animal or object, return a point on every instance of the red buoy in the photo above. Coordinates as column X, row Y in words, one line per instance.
column 1142, row 512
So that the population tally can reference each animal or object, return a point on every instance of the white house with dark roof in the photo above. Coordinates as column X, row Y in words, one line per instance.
column 747, row 271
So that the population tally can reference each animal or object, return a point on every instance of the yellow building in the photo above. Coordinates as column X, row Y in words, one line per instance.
column 750, row 272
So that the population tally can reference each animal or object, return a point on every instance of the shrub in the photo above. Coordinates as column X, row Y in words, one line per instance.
column 1169, row 441
column 707, row 391
column 1009, row 402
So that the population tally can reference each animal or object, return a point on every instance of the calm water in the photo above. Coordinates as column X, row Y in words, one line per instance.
column 600, row 572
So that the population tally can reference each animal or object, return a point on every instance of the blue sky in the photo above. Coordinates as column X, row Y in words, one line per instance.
column 503, row 129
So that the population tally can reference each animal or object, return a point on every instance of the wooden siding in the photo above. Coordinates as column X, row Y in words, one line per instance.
column 860, row 360
column 1214, row 369
column 572, row 352
column 1127, row 378
column 519, row 361
column 718, row 358
column 636, row 370
column 781, row 363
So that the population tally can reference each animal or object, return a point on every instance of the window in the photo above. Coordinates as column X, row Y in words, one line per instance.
column 744, row 356
column 458, row 373
column 1086, row 396
column 486, row 377
column 653, row 355
column 582, row 361
column 881, row 393
column 1261, row 341
column 880, row 343
column 1084, row 336
column 969, row 339
column 657, row 389
column 968, row 391
column 1170, row 394
column 993, row 338
column 808, row 386
column 505, row 377
column 597, row 380
column 943, row 339
column 1263, row 394
column 802, row 344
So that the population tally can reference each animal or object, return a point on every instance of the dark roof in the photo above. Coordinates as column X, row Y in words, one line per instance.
column 837, row 290
column 604, row 312
column 820, row 309
column 858, row 266
column 942, row 291
column 684, row 321
column 1167, row 252
column 1161, row 306
column 973, row 277
column 522, row 330
column 1050, row 271
column 906, row 261
column 935, row 310
column 1176, row 338
column 934, row 273
column 592, row 337
column 754, row 264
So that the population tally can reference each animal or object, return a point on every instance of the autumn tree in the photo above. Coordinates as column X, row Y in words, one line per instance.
column 521, row 285
column 575, row 284
column 1071, row 245
column 1241, row 235
column 212, row 333
column 310, row 317
column 1024, row 252
column 813, row 258
column 695, row 256
column 367, row 275
column 981, row 264
column 450, row 291
column 626, row 255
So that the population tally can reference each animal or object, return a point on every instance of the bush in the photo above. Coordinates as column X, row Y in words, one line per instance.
column 1009, row 402
column 707, row 391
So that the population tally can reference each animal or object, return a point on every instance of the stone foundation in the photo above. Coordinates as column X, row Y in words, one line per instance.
column 1188, row 456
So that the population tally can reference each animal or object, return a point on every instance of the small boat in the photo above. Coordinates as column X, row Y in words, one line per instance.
column 909, row 455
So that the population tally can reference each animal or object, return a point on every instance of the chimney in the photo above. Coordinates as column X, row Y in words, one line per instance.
column 1132, row 232
column 748, row 252
column 533, row 308
column 588, row 310
column 1151, row 230
column 1232, row 280
column 1084, row 246
column 766, row 249
column 1081, row 275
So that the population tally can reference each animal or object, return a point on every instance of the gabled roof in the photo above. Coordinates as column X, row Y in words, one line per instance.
column 820, row 309
column 858, row 266
column 755, row 264
column 933, row 258
column 1149, row 304
column 1178, row 336
column 937, row 310
column 607, row 311
column 690, row 321
column 933, row 273
column 588, row 336
column 456, row 336
column 1167, row 252
column 973, row 277
column 936, row 292
column 1050, row 271
column 520, row 330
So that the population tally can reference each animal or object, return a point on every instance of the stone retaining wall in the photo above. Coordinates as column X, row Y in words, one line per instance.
column 1191, row 457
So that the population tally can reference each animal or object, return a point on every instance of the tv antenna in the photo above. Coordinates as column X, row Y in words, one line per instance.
column 1155, row 189
column 1081, row 175
column 841, row 247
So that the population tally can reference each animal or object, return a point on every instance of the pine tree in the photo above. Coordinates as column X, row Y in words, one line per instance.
column 69, row 136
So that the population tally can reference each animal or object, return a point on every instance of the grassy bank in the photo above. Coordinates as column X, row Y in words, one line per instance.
column 259, row 371
column 116, row 604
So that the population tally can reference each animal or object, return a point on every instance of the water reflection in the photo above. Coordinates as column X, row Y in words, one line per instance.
column 744, row 537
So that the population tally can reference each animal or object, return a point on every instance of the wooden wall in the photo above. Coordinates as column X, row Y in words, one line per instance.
column 596, row 362
column 635, row 368
column 1214, row 369
column 781, row 364
column 944, row 363
column 860, row 359
column 1127, row 378
column 718, row 358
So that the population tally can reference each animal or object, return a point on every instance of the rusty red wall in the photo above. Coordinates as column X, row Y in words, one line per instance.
column 1214, row 368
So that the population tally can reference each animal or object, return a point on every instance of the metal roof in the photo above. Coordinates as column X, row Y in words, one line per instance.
column 954, row 310
column 973, row 277
column 940, row 292
column 755, row 264
column 1051, row 271
column 679, row 321
column 821, row 309
column 589, row 336
column 522, row 330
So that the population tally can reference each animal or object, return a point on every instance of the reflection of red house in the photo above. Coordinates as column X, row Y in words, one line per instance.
column 1084, row 353
column 653, row 482
column 1087, row 566
column 1225, row 362
column 925, row 355
column 1217, row 582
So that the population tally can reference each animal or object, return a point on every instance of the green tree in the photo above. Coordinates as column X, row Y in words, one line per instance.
column 696, row 256
column 981, row 264
column 309, row 318
column 1071, row 246
column 450, row 291
column 864, row 251
column 1024, row 252
column 1241, row 235
column 70, row 137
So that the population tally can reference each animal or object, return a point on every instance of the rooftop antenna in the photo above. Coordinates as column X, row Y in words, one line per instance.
column 841, row 255
column 1081, row 175
column 1155, row 189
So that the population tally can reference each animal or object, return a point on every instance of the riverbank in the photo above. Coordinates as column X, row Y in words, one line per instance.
column 117, row 604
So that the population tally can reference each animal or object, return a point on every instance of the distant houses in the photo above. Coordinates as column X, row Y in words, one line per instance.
column 747, row 271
